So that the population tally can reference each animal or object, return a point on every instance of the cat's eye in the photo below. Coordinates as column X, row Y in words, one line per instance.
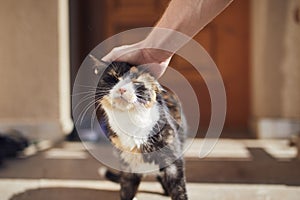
column 111, row 79
column 137, row 82
column 114, row 79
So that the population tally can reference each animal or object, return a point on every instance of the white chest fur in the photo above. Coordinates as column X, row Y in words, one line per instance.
column 133, row 127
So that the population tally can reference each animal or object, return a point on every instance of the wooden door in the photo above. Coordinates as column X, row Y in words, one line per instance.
column 226, row 39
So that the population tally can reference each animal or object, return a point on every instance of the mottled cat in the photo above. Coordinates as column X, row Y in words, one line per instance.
column 145, row 124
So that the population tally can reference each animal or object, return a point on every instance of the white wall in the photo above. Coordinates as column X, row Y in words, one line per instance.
column 34, row 67
column 275, row 68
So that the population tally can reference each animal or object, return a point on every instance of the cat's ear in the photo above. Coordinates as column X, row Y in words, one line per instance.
column 97, row 64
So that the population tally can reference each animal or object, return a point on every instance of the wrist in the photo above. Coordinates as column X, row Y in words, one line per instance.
column 151, row 50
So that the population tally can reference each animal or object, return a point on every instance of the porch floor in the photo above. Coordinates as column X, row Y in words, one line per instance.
column 235, row 169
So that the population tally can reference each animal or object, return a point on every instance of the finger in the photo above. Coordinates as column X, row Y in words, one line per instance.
column 109, row 57
column 120, row 53
column 115, row 54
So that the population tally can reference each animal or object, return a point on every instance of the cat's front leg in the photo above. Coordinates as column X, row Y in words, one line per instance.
column 173, row 180
column 129, row 185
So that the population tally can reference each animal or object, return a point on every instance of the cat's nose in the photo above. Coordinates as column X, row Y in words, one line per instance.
column 122, row 90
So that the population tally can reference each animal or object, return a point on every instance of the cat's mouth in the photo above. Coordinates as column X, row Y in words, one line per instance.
column 121, row 100
column 122, row 103
column 119, row 103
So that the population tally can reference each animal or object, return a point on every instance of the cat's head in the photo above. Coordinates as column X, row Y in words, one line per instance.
column 125, row 87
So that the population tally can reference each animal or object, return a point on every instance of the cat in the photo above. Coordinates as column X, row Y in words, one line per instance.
column 145, row 124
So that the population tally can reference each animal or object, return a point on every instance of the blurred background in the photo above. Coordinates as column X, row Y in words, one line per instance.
column 248, row 42
column 254, row 43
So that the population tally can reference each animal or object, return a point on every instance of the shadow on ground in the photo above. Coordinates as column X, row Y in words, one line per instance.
column 261, row 169
column 65, row 193
column 72, row 193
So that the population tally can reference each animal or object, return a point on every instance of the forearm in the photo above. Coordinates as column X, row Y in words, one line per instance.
column 185, row 16
column 190, row 16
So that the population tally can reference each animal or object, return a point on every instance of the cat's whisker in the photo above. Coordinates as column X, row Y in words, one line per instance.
column 84, row 111
column 85, row 86
column 94, row 114
column 81, row 93
column 85, row 98
column 86, row 106
column 92, row 87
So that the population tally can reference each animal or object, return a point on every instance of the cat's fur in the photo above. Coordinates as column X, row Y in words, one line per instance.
column 145, row 123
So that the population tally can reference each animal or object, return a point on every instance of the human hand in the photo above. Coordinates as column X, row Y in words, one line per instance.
column 154, row 60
